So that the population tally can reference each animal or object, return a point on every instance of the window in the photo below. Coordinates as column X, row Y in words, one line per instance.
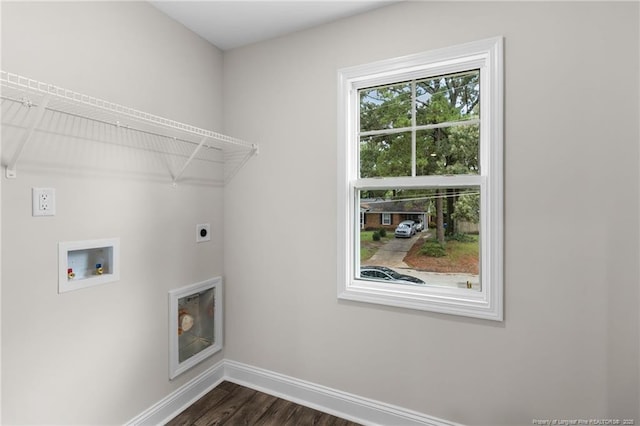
column 421, row 135
column 386, row 218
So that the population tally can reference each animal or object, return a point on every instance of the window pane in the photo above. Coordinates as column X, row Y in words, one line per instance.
column 385, row 155
column 448, row 150
column 385, row 107
column 434, row 239
column 386, row 218
column 454, row 97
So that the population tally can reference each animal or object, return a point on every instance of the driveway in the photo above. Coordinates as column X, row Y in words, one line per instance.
column 393, row 252
column 392, row 255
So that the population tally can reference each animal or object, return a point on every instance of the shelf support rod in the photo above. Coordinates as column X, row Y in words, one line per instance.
column 232, row 173
column 40, row 110
column 191, row 157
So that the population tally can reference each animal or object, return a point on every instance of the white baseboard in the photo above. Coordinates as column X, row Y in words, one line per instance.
column 177, row 401
column 342, row 404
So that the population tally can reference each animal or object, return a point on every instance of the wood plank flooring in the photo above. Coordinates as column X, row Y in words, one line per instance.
column 231, row 404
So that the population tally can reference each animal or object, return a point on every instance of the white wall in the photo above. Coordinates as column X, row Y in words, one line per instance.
column 568, row 348
column 100, row 355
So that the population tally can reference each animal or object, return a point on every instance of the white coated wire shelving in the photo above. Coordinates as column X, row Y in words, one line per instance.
column 31, row 109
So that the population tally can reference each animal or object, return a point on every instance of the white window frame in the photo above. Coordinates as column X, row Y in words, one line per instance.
column 487, row 56
column 385, row 218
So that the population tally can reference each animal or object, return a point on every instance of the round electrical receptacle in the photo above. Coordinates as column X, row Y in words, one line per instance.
column 203, row 232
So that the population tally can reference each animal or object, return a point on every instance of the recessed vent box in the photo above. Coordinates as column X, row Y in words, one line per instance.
column 195, row 324
column 84, row 264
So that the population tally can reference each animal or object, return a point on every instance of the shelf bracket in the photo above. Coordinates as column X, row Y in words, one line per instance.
column 186, row 164
column 40, row 110
column 251, row 153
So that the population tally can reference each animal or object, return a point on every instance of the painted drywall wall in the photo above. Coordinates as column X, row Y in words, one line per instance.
column 568, row 348
column 100, row 355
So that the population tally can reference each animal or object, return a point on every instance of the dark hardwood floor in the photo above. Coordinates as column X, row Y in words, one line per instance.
column 231, row 404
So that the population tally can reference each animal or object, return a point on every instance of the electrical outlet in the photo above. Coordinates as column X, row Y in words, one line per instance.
column 203, row 232
column 43, row 202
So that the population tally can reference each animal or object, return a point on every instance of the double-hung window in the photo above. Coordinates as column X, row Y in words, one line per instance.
column 422, row 136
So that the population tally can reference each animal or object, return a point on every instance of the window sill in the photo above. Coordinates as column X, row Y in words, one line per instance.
column 445, row 300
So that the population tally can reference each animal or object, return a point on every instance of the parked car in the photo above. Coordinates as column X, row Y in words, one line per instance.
column 388, row 274
column 406, row 228
column 419, row 226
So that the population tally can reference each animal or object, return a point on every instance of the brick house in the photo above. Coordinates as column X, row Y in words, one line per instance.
column 378, row 213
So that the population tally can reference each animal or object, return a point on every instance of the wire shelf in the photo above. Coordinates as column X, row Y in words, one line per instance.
column 30, row 107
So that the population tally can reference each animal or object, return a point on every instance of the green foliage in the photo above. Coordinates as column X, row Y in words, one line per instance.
column 366, row 235
column 433, row 248
column 383, row 232
column 385, row 107
column 375, row 236
column 462, row 238
column 385, row 155
column 443, row 150
column 467, row 207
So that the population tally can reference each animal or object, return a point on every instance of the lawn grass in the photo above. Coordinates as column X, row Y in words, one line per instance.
column 366, row 253
column 369, row 247
column 367, row 235
column 457, row 250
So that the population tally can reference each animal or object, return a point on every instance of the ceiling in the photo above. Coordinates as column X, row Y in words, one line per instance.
column 231, row 24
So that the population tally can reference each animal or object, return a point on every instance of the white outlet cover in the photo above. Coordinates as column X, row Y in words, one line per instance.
column 203, row 232
column 43, row 201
